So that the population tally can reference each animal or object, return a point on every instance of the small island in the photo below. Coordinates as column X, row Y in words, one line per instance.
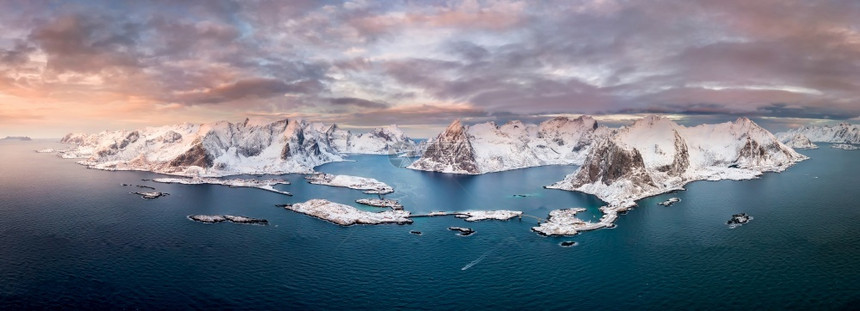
column 568, row 243
column 265, row 184
column 367, row 185
column 462, row 231
column 150, row 195
column 738, row 220
column 844, row 146
column 670, row 201
column 472, row 216
column 346, row 215
column 20, row 138
column 211, row 219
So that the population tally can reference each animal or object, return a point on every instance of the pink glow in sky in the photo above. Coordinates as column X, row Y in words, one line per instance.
column 93, row 65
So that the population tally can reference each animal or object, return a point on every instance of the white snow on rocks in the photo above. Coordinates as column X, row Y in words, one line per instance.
column 346, row 215
column 224, row 148
column 563, row 222
column 368, row 185
column 656, row 155
column 267, row 184
column 487, row 147
column 211, row 219
column 844, row 146
column 387, row 203
column 839, row 133
column 46, row 150
column 798, row 141
column 487, row 215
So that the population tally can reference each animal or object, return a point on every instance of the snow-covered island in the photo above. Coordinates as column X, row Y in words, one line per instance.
column 211, row 219
column 670, row 201
column 844, row 146
column 149, row 195
column 563, row 222
column 346, row 215
column 46, row 150
column 266, row 184
column 387, row 203
column 224, row 148
column 656, row 155
column 486, row 215
column 367, row 185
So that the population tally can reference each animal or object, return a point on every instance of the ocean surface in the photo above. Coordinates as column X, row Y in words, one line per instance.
column 72, row 237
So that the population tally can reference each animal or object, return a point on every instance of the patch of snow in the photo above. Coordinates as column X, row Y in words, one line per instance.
column 368, row 185
column 267, row 184
column 346, row 215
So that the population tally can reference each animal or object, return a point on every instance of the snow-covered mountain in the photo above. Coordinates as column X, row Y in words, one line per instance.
column 656, row 155
column 486, row 147
column 224, row 148
column 383, row 140
column 840, row 133
column 798, row 141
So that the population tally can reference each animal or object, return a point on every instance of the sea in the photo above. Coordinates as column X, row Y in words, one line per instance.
column 75, row 238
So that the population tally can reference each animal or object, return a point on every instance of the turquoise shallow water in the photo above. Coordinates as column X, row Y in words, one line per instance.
column 72, row 237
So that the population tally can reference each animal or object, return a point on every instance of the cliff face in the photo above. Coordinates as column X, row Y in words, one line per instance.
column 221, row 148
column 608, row 163
column 487, row 147
column 450, row 152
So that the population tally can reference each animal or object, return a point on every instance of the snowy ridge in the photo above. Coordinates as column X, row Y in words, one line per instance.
column 656, row 155
column 840, row 133
column 383, row 140
column 487, row 147
column 224, row 148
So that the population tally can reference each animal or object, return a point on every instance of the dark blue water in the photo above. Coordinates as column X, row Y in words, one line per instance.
column 72, row 237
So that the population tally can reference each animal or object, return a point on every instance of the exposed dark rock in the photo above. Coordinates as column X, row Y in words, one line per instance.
column 682, row 158
column 451, row 148
column 151, row 194
column 609, row 162
column 567, row 243
column 463, row 231
column 196, row 156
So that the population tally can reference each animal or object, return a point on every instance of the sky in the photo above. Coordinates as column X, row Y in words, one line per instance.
column 94, row 65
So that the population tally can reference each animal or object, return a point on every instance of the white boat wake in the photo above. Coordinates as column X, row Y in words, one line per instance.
column 481, row 258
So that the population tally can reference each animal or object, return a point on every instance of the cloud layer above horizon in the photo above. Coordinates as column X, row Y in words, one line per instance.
column 69, row 65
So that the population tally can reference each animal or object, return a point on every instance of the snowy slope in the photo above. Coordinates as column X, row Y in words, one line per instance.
column 798, row 141
column 384, row 140
column 487, row 147
column 218, row 149
column 841, row 133
column 656, row 155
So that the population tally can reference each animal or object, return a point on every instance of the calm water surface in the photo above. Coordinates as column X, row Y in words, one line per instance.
column 72, row 237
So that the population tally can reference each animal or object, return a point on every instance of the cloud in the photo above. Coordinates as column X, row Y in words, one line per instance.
column 247, row 88
column 429, row 62
column 358, row 102
column 87, row 43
